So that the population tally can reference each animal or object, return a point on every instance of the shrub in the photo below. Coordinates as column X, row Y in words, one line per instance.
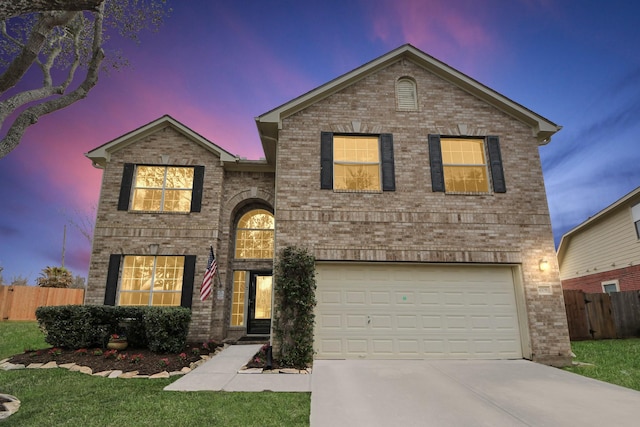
column 161, row 329
column 76, row 326
column 167, row 328
column 295, row 286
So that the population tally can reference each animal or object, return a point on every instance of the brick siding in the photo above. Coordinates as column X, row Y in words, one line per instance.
column 628, row 280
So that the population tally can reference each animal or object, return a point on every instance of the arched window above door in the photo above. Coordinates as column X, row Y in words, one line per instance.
column 254, row 235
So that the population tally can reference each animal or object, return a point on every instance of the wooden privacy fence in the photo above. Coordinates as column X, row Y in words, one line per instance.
column 20, row 302
column 602, row 316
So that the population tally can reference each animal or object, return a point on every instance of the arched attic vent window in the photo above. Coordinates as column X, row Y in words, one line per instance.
column 406, row 94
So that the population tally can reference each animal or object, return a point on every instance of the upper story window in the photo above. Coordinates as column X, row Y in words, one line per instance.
column 151, row 280
column 254, row 235
column 459, row 165
column 464, row 165
column 635, row 213
column 162, row 188
column 406, row 94
column 357, row 163
column 156, row 188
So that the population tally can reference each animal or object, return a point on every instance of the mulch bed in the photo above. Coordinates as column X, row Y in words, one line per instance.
column 142, row 360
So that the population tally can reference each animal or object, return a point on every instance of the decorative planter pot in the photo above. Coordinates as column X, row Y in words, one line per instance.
column 117, row 344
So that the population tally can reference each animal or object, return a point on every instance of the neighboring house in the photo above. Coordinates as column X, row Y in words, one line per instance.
column 603, row 253
column 418, row 190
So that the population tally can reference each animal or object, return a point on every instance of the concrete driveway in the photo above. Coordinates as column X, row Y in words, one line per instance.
column 463, row 393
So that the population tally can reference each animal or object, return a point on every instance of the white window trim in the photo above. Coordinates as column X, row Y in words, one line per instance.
column 635, row 215
column 608, row 283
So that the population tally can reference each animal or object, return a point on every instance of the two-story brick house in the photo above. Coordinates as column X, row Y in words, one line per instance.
column 418, row 190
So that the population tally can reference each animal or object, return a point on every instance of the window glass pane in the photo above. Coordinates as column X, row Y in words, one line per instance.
column 149, row 176
column 237, row 308
column 162, row 188
column 356, row 177
column 356, row 163
column 258, row 218
column 466, row 179
column 361, row 149
column 146, row 200
column 177, row 200
column 179, row 177
column 149, row 280
column 254, row 244
column 465, row 168
column 254, row 236
column 263, row 297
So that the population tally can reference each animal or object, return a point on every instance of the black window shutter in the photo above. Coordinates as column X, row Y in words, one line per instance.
column 113, row 272
column 125, row 186
column 495, row 162
column 388, row 168
column 198, row 184
column 435, row 161
column 326, row 160
column 188, row 276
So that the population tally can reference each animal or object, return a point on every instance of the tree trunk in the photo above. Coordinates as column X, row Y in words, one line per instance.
column 11, row 8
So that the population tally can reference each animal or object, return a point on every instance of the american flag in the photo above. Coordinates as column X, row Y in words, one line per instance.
column 212, row 267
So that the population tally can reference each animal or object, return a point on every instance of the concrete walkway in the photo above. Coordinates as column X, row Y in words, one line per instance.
column 220, row 373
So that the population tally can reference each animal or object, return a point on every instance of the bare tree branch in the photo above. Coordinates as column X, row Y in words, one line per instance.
column 62, row 34
column 11, row 8
column 29, row 53
column 32, row 114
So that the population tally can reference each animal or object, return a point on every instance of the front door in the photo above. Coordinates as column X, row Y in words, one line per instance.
column 260, row 296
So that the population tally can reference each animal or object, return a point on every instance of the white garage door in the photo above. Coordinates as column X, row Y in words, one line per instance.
column 391, row 311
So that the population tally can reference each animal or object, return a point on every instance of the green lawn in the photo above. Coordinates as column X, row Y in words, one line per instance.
column 62, row 398
column 615, row 361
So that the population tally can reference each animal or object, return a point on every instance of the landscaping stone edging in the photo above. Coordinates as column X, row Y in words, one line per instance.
column 72, row 367
column 245, row 370
column 10, row 405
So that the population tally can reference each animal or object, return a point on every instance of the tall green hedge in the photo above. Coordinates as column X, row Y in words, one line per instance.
column 161, row 329
column 295, row 286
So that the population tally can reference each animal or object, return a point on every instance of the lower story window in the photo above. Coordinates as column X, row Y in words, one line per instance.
column 151, row 280
column 610, row 286
column 237, row 307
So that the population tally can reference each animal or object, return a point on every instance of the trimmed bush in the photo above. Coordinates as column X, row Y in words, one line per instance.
column 161, row 329
column 77, row 326
column 167, row 328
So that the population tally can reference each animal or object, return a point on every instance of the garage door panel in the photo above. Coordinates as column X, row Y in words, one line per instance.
column 380, row 297
column 329, row 297
column 399, row 311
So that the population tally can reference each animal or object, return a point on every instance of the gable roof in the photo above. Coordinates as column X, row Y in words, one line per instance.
column 612, row 208
column 269, row 122
column 101, row 154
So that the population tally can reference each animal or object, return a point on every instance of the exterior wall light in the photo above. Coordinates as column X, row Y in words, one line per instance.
column 544, row 265
column 153, row 248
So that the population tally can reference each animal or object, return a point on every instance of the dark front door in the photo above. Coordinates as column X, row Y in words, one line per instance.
column 260, row 292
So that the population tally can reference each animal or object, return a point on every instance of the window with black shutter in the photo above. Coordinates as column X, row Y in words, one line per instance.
column 465, row 164
column 153, row 188
column 357, row 163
